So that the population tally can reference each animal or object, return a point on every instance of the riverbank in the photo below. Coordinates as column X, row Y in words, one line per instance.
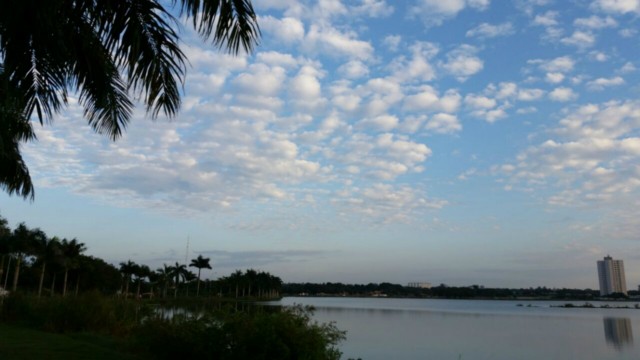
column 74, row 327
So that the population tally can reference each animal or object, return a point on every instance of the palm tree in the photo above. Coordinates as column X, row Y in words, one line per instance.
column 141, row 272
column 200, row 263
column 71, row 251
column 109, row 52
column 164, row 277
column 127, row 269
column 46, row 251
column 22, row 241
column 5, row 232
column 178, row 272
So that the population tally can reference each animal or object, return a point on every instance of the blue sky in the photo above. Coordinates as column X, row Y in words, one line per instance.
column 459, row 142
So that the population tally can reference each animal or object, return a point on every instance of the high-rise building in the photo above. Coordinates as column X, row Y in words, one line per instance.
column 611, row 276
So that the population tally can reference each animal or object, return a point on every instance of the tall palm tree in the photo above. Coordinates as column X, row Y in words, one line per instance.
column 5, row 233
column 200, row 263
column 46, row 251
column 109, row 52
column 164, row 277
column 141, row 272
column 178, row 272
column 127, row 269
column 22, row 242
column 71, row 251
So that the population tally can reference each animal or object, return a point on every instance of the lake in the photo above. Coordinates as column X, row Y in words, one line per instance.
column 384, row 328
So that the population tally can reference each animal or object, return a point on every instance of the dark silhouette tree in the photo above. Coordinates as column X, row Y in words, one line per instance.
column 71, row 251
column 46, row 251
column 108, row 52
column 127, row 270
column 200, row 263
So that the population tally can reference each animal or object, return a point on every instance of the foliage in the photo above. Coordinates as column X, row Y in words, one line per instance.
column 87, row 312
column 286, row 333
column 109, row 52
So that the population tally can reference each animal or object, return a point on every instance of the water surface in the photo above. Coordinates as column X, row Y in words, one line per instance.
column 383, row 328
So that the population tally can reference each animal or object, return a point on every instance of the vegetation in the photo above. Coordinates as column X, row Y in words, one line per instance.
column 140, row 329
column 441, row 291
column 109, row 52
column 93, row 303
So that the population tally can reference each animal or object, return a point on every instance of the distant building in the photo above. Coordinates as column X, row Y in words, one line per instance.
column 611, row 276
column 421, row 285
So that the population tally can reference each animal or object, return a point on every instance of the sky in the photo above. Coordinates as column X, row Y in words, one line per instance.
column 458, row 142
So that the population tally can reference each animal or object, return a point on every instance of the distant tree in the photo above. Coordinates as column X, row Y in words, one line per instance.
column 127, row 270
column 178, row 272
column 47, row 251
column 71, row 251
column 200, row 263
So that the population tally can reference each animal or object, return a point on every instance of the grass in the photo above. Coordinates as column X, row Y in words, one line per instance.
column 17, row 343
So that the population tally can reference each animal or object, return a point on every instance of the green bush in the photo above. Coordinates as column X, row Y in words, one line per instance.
column 90, row 312
column 287, row 333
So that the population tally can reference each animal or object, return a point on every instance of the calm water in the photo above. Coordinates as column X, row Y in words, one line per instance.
column 380, row 328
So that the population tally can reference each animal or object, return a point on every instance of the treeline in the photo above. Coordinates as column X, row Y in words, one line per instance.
column 440, row 291
column 33, row 262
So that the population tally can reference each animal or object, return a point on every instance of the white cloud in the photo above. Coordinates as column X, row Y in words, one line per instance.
column 561, row 64
column 617, row 6
column 486, row 30
column 627, row 68
column 381, row 123
column 443, row 124
column 593, row 157
column 550, row 18
column 373, row 8
column 418, row 66
column 260, row 80
column 392, row 42
column 595, row 22
column 305, row 88
column 554, row 77
column 462, row 62
column 580, row 39
column 627, row 33
column 334, row 42
column 598, row 56
column 562, row 94
column 530, row 94
column 287, row 30
column 479, row 101
column 353, row 69
column 435, row 12
column 428, row 99
column 601, row 83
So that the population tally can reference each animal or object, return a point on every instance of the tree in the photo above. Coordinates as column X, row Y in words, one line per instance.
column 46, row 251
column 127, row 270
column 5, row 232
column 21, row 242
column 200, row 263
column 71, row 251
column 178, row 272
column 108, row 52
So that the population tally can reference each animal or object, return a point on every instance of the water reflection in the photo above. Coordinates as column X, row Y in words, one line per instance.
column 618, row 332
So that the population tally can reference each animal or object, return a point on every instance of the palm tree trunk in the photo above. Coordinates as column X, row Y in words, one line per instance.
column 198, row 288
column 16, row 273
column 53, row 283
column 126, row 289
column 138, row 291
column 6, row 276
column 2, row 267
column 44, row 266
column 64, row 286
column 77, row 283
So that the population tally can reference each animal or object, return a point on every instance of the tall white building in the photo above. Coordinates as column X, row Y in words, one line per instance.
column 611, row 276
